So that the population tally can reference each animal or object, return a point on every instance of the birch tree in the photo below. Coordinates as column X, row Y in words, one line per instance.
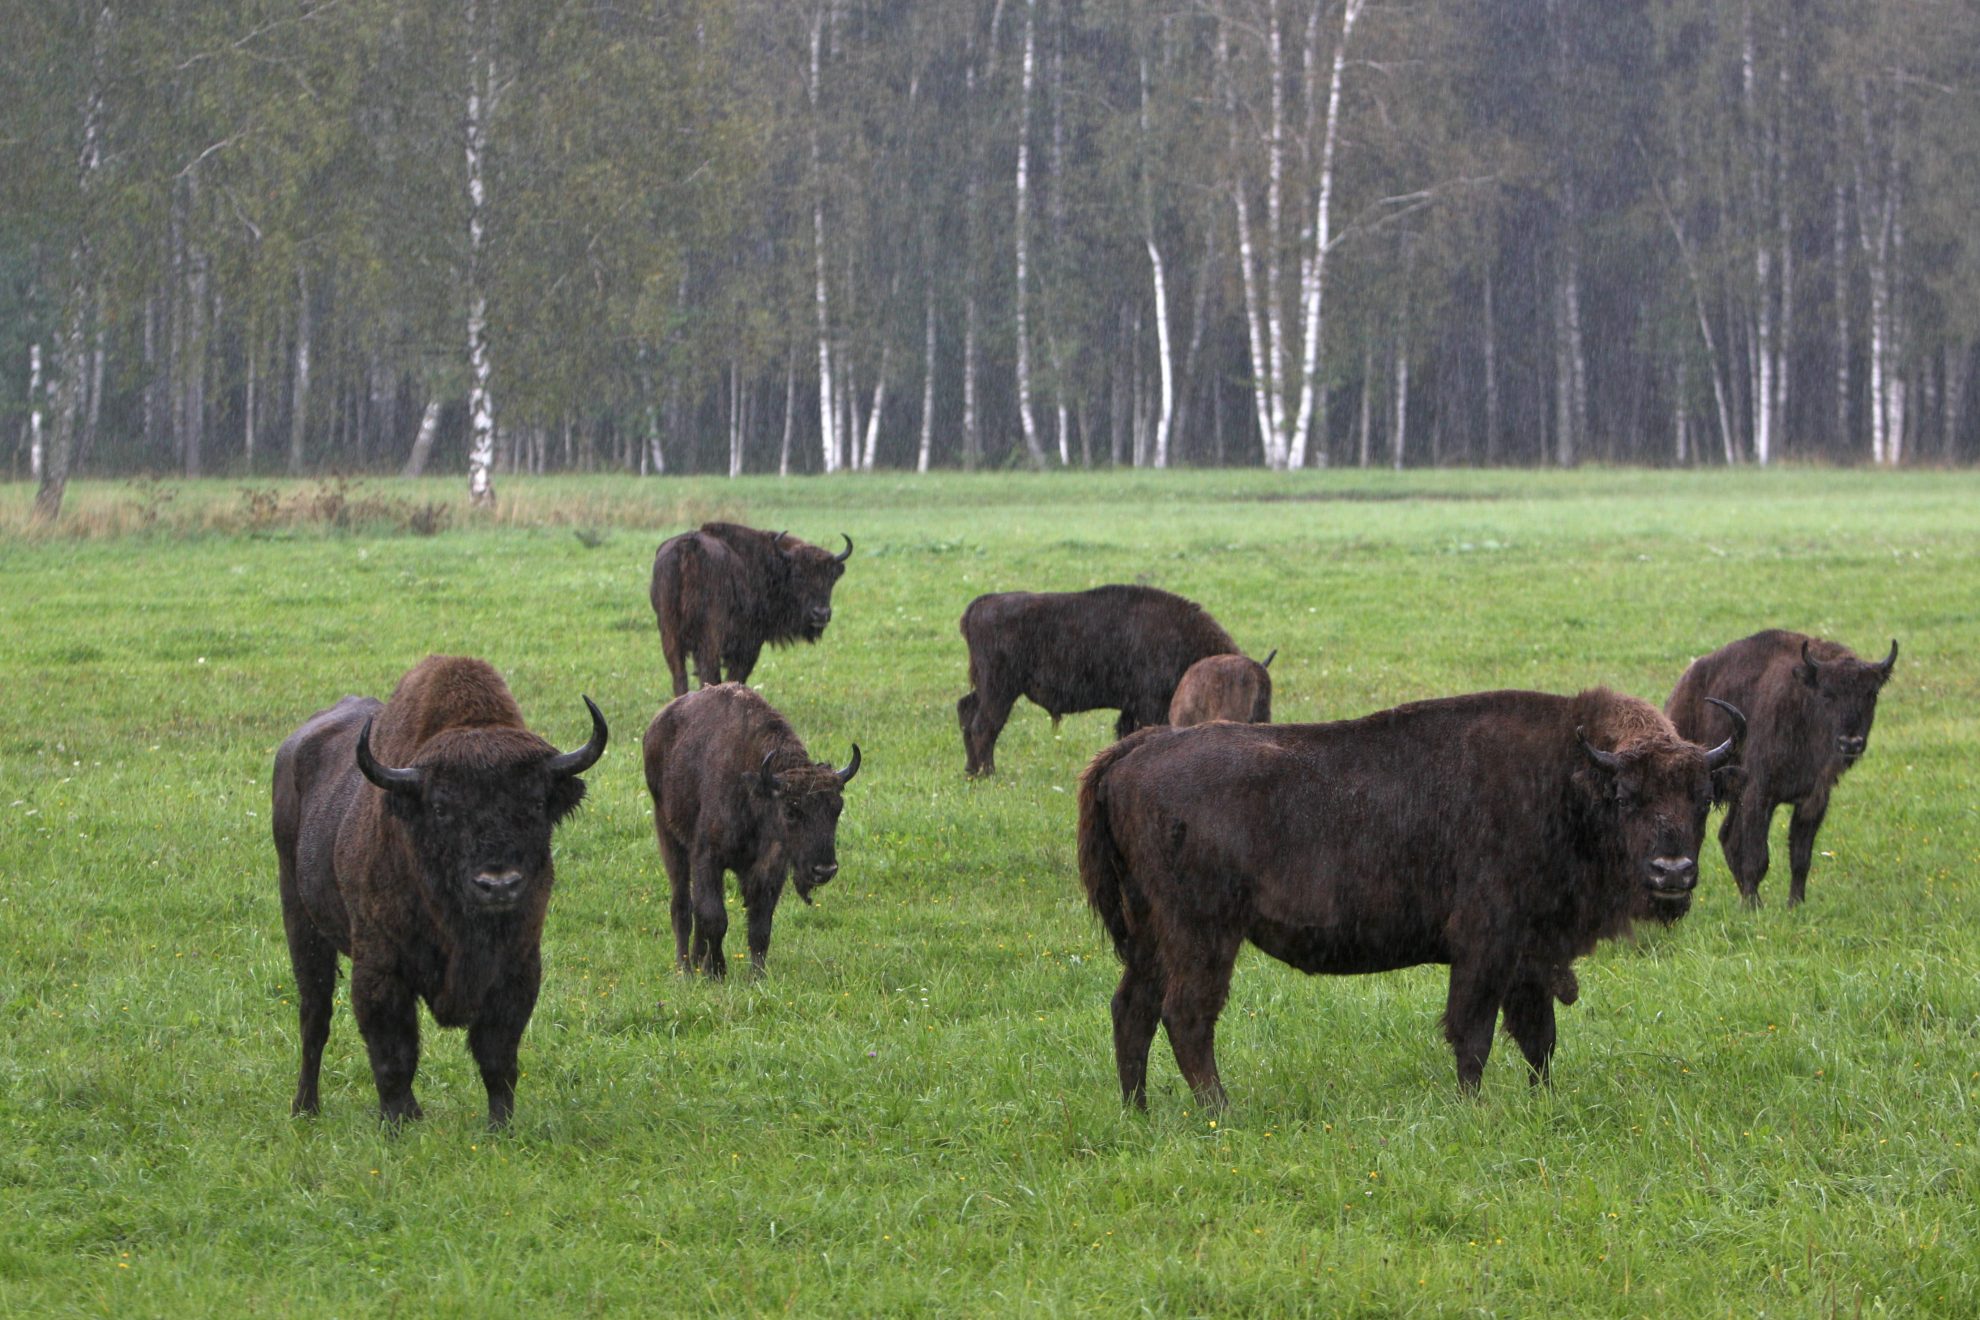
column 481, row 89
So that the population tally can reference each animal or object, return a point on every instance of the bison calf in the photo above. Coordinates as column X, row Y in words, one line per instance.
column 720, row 593
column 413, row 837
column 734, row 790
column 1502, row 834
column 1224, row 687
column 1811, row 703
column 1112, row 648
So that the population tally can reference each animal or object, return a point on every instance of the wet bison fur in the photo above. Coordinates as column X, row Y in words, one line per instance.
column 413, row 837
column 1111, row 648
column 734, row 790
column 1502, row 833
column 720, row 594
column 1810, row 703
column 1224, row 687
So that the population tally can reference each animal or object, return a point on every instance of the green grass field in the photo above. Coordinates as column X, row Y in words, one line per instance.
column 916, row 1112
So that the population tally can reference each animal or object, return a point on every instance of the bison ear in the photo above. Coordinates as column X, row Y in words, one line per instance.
column 566, row 794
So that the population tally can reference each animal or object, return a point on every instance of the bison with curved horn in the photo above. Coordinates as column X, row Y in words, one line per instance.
column 413, row 837
column 734, row 790
column 1502, row 834
column 1811, row 702
column 720, row 594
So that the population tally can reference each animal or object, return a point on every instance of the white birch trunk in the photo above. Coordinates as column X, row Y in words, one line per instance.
column 927, row 378
column 1367, row 401
column 481, row 400
column 735, row 421
column 1681, row 407
column 34, row 410
column 299, row 386
column 828, row 438
column 1034, row 451
column 422, row 446
column 872, row 447
column 790, row 414
column 1163, row 353
column 1399, row 416
column 1313, row 276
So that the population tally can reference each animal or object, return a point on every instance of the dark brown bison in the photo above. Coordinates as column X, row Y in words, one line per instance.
column 1224, row 687
column 1811, row 703
column 1112, row 648
column 414, row 838
column 734, row 790
column 721, row 593
column 1502, row 833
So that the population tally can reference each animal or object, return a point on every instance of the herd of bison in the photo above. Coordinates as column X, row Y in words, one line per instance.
column 1500, row 833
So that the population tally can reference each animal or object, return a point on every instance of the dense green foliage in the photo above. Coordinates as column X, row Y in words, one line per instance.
column 1652, row 231
column 916, row 1110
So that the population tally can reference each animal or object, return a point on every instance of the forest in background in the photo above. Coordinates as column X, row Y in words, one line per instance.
column 488, row 236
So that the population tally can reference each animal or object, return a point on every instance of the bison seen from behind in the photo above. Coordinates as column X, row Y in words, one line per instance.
column 1502, row 833
column 1811, row 703
column 1224, row 687
column 720, row 593
column 1112, row 648
column 734, row 790
column 413, row 837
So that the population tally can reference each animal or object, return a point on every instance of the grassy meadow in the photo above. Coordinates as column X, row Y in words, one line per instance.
column 1754, row 1112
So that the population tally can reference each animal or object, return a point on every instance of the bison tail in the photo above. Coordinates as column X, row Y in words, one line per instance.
column 1102, row 869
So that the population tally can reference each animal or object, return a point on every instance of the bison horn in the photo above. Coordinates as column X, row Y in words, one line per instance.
column 1807, row 659
column 852, row 766
column 846, row 553
column 1889, row 660
column 1728, row 749
column 1266, row 663
column 1607, row 760
column 389, row 778
column 581, row 760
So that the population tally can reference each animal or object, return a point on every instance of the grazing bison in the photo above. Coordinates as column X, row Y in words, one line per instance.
column 734, row 790
column 1112, row 648
column 1502, row 833
column 414, row 838
column 1224, row 687
column 1811, row 703
column 720, row 593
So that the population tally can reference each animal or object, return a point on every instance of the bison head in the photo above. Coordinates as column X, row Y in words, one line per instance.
column 1657, row 790
column 1846, row 695
column 812, row 573
column 803, row 806
column 479, row 804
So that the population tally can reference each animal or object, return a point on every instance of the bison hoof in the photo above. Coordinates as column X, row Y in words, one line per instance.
column 1751, row 898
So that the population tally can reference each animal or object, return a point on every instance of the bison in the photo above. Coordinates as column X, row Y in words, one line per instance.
column 1224, row 687
column 734, row 790
column 413, row 837
column 1811, row 702
column 1111, row 648
column 1501, row 833
column 719, row 594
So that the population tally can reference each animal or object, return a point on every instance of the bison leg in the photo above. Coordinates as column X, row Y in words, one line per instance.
column 388, row 1019
column 739, row 664
column 711, row 919
column 761, row 889
column 1137, row 1012
column 1529, row 1011
column 672, row 647
column 1471, row 1009
column 680, row 903
column 707, row 660
column 1807, row 819
column 1197, row 979
column 495, row 1038
column 314, row 960
column 1743, row 836
column 983, row 715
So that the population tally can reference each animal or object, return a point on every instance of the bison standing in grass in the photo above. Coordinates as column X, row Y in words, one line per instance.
column 721, row 593
column 1112, row 648
column 413, row 837
column 1502, row 833
column 1224, row 687
column 734, row 790
column 1811, row 703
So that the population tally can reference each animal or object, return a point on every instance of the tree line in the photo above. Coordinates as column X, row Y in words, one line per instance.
column 267, row 236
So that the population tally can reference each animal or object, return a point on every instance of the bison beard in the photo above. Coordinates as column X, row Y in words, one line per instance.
column 722, row 593
column 734, row 790
column 1112, row 648
column 413, row 837
column 1502, row 833
column 1812, row 703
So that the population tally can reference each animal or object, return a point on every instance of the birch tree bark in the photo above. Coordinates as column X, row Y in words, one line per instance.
column 1034, row 451
column 422, row 446
column 480, row 108
column 1164, row 356
column 34, row 410
column 927, row 376
column 299, row 387
column 828, row 437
